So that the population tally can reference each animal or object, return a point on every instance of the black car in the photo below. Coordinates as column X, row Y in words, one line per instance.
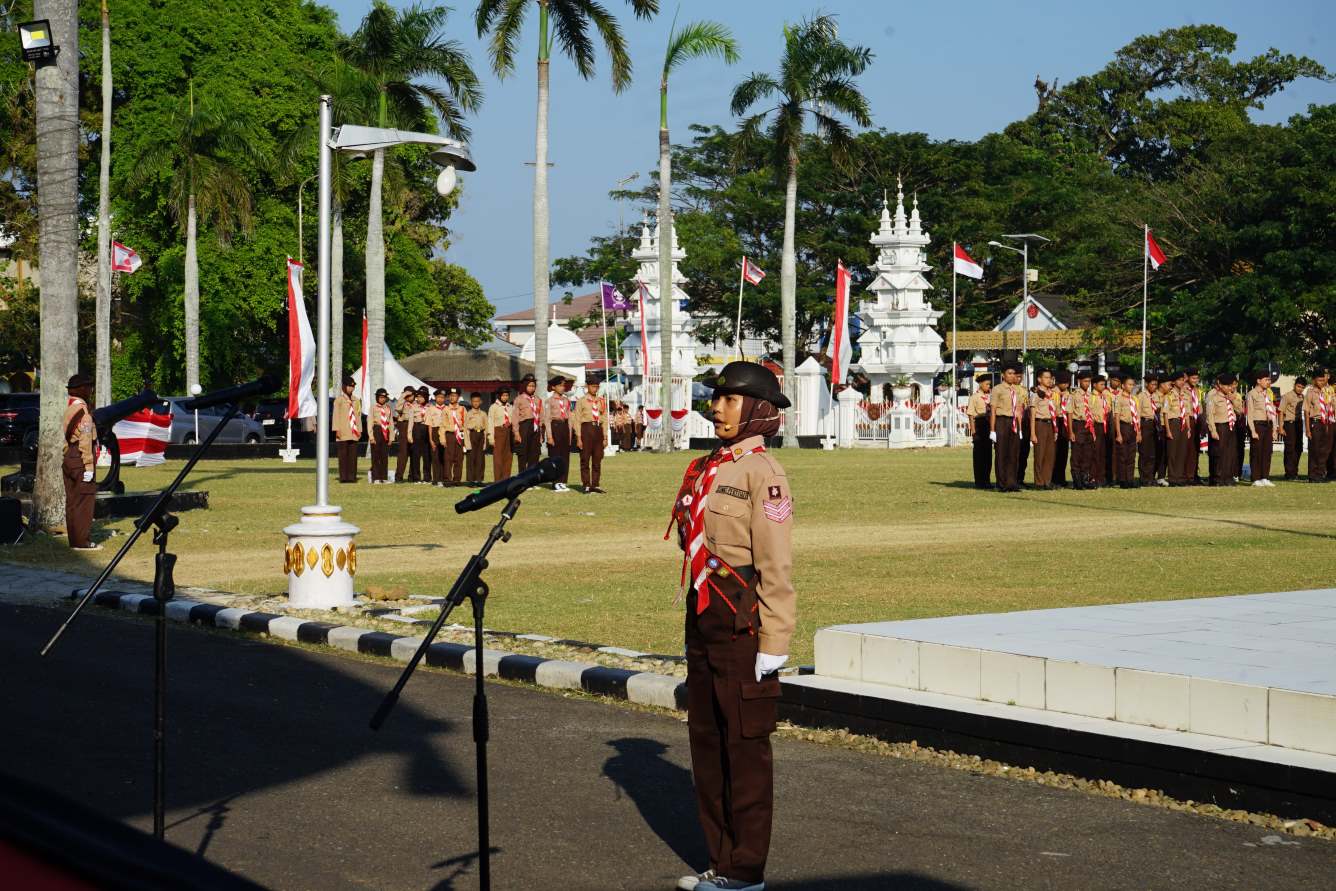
column 18, row 419
column 272, row 415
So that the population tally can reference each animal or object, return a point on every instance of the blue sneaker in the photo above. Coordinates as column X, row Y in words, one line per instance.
column 691, row 883
column 720, row 883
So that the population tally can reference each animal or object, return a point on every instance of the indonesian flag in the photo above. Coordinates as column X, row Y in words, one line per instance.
column 124, row 259
column 644, row 338
column 366, row 397
column 751, row 272
column 965, row 265
column 841, row 350
column 1153, row 252
column 143, row 437
column 301, row 348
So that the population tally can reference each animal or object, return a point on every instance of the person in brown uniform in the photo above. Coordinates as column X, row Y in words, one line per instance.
column 420, row 439
column 1317, row 410
column 591, row 435
column 1261, row 414
column 453, row 438
column 80, row 463
column 1044, row 429
column 1083, row 431
column 1007, row 408
column 434, row 472
column 1177, row 414
column 1292, row 426
column 1126, row 425
column 734, row 514
column 403, row 425
column 1102, row 405
column 1146, row 420
column 1235, row 394
column 528, row 423
column 1200, row 427
column 977, row 414
column 475, row 425
column 1161, row 398
column 381, row 423
column 347, row 421
column 1062, row 454
column 501, row 434
column 1222, row 419
column 556, row 421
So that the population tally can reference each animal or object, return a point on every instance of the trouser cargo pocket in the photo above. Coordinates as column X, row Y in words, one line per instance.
column 758, row 707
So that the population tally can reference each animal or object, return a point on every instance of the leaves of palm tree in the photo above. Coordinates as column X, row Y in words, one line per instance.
column 570, row 21
column 698, row 40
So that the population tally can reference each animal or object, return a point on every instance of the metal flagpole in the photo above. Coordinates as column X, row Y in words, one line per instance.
column 955, row 387
column 737, row 332
column 323, row 310
column 607, row 371
column 1145, row 289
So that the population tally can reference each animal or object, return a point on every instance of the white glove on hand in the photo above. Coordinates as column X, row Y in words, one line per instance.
column 992, row 436
column 765, row 664
column 88, row 476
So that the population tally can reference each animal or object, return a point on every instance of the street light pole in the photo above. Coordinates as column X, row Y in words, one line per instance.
column 1024, row 251
column 322, row 310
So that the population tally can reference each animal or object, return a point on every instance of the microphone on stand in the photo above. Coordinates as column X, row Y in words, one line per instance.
column 229, row 395
column 544, row 471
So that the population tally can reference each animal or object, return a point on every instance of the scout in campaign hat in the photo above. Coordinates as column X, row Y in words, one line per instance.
column 750, row 379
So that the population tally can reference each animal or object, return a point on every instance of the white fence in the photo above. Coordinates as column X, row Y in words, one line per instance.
column 908, row 424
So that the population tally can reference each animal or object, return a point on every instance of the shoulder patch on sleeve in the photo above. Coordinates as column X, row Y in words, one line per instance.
column 778, row 511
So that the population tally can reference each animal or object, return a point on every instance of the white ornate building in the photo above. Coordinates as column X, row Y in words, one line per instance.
column 684, row 342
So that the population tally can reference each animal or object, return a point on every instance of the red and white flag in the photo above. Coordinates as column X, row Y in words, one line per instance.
column 301, row 348
column 143, row 437
column 841, row 350
column 751, row 272
column 965, row 264
column 366, row 376
column 1153, row 252
column 124, row 259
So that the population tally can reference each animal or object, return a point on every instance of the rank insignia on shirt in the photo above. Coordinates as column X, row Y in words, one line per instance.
column 776, row 492
column 778, row 511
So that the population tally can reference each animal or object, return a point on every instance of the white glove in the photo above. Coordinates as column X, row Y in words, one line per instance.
column 992, row 436
column 765, row 664
column 88, row 476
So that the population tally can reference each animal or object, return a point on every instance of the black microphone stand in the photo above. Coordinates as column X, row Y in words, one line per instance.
column 468, row 585
column 164, row 588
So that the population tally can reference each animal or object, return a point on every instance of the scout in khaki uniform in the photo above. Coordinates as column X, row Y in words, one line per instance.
column 475, row 426
column 528, row 423
column 1147, row 452
column 1262, row 426
column 1062, row 454
column 1083, row 430
column 501, row 435
column 1235, row 394
column 382, row 425
column 80, row 463
column 420, row 439
column 591, row 435
column 556, row 421
column 1161, row 398
column 1007, row 408
column 347, row 423
column 1023, row 445
column 403, row 425
column 1044, row 429
column 734, row 515
column 1126, row 423
column 434, row 416
column 1177, row 414
column 1197, row 397
column 1330, row 392
column 453, row 438
column 1222, row 420
column 1103, row 470
column 1318, row 427
column 1292, row 426
column 977, row 412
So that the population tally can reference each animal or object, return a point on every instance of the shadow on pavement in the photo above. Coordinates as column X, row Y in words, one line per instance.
column 662, row 792
column 909, row 881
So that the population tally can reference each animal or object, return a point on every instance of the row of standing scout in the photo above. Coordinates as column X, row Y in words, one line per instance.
column 443, row 441
column 1106, row 431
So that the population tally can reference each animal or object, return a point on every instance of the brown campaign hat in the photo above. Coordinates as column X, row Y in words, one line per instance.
column 750, row 379
column 382, row 392
column 528, row 379
column 559, row 379
column 79, row 381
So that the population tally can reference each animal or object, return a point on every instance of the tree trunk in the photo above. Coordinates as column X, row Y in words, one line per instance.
column 336, row 292
column 666, row 287
column 57, row 99
column 103, row 312
column 375, row 280
column 192, row 296
column 788, row 302
column 542, row 287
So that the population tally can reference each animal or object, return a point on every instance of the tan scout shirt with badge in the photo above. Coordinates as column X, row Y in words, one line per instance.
column 1289, row 404
column 475, row 420
column 498, row 417
column 584, row 412
column 978, row 404
column 343, row 428
column 749, row 522
column 79, row 430
column 1258, row 399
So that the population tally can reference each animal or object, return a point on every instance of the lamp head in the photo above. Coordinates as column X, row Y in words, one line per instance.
column 37, row 43
column 446, row 181
column 996, row 244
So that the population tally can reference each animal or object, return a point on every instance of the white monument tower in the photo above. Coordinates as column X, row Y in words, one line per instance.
column 684, row 343
column 900, row 338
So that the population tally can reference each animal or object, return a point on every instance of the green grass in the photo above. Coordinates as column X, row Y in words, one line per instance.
column 878, row 535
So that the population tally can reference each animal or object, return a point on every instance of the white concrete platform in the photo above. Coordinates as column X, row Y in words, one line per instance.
column 1260, row 668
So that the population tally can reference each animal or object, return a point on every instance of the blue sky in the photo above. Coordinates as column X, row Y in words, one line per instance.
column 956, row 71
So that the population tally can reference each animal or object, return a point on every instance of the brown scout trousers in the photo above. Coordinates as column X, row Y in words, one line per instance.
column 380, row 455
column 1125, row 454
column 454, row 459
column 1081, row 445
column 477, row 459
column 1147, row 451
column 1294, row 447
column 1061, row 455
column 729, row 721
column 560, row 449
column 1099, row 456
column 531, row 444
column 401, row 466
column 1319, row 449
column 1224, row 454
column 437, row 473
column 501, row 460
column 591, row 454
column 1007, row 460
column 347, row 452
column 1259, row 457
column 983, row 453
column 1180, row 444
column 79, row 499
column 1045, row 445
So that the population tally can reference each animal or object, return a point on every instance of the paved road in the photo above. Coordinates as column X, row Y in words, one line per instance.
column 273, row 774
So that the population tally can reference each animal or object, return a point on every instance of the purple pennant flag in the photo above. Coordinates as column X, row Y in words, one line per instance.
column 613, row 299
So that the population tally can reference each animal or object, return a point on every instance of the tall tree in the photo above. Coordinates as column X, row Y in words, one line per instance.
column 692, row 42
column 394, row 48
column 199, row 147
column 566, row 21
column 58, row 247
column 816, row 77
column 103, row 313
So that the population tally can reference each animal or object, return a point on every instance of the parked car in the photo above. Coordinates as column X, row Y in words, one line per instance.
column 272, row 415
column 239, row 429
column 18, row 419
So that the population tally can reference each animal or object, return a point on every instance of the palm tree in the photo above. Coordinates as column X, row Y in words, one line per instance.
column 102, row 326
column 392, row 48
column 815, row 77
column 569, row 22
column 198, row 148
column 692, row 42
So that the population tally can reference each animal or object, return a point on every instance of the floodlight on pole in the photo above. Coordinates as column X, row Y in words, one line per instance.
column 36, row 41
column 1024, row 250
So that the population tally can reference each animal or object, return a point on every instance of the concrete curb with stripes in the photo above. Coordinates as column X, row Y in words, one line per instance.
column 642, row 687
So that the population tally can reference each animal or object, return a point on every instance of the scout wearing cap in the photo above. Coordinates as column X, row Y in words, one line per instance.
column 556, row 421
column 1292, row 426
column 1062, row 449
column 1006, row 412
column 80, row 463
column 453, row 438
column 435, row 470
column 403, row 425
column 592, row 423
column 347, row 422
column 1263, row 428
column 420, row 434
column 475, row 433
column 501, row 433
column 734, row 514
column 528, row 423
column 381, row 424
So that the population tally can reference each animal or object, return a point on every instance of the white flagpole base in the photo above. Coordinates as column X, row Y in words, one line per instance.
column 320, row 559
column 289, row 456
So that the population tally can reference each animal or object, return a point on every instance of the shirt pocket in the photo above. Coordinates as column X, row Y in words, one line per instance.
column 726, row 520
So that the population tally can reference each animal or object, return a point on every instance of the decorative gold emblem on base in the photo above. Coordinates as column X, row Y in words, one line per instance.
column 287, row 560
column 298, row 559
column 340, row 558
column 326, row 560
column 312, row 558
column 352, row 559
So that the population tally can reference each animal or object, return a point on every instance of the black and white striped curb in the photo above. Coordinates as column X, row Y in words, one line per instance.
column 642, row 687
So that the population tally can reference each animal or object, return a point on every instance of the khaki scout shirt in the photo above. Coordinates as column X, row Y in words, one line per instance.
column 1123, row 406
column 1145, row 406
column 498, row 416
column 528, row 408
column 80, row 430
column 1217, row 408
column 475, row 420
column 452, row 421
column 403, row 409
column 382, row 415
column 978, row 404
column 584, row 412
column 344, row 427
column 1291, row 407
column 1177, row 405
column 1313, row 404
column 1043, row 408
column 1001, row 399
column 431, row 416
column 556, row 408
column 749, row 522
column 1258, row 400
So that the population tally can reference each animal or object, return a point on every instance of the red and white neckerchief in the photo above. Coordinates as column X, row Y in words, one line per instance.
column 384, row 417
column 1064, row 408
column 1323, row 412
column 697, row 558
column 352, row 419
column 1270, row 409
column 1230, row 417
column 1015, row 403
column 1182, row 410
column 505, row 409
column 1135, row 412
column 563, row 407
column 457, row 412
column 596, row 408
column 1196, row 403
column 1089, row 418
column 535, row 408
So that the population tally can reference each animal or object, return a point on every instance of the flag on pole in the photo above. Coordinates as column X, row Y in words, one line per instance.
column 143, row 437
column 366, row 372
column 124, row 259
column 965, row 264
column 841, row 350
column 612, row 298
column 751, row 272
column 644, row 338
column 1153, row 252
column 301, row 348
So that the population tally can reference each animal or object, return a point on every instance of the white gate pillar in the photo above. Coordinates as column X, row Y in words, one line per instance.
column 848, row 400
